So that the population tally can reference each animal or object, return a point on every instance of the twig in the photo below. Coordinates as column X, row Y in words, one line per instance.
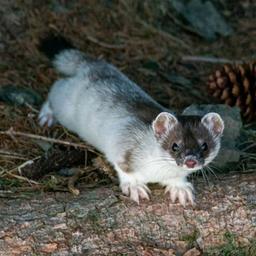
column 12, row 157
column 31, row 108
column 105, row 45
column 13, row 133
column 29, row 162
column 249, row 147
column 9, row 173
column 75, row 177
column 23, row 178
column 4, row 152
column 19, row 167
column 72, row 180
column 179, row 23
column 7, row 154
column 209, row 59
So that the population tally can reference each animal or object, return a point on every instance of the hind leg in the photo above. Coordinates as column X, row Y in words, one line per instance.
column 46, row 116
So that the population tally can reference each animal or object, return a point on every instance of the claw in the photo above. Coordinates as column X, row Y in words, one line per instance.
column 46, row 116
column 125, row 189
column 143, row 193
column 184, row 193
column 134, row 195
column 47, row 120
column 136, row 192
column 191, row 197
column 173, row 194
column 182, row 196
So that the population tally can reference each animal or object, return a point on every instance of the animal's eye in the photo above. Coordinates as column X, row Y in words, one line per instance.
column 175, row 147
column 204, row 146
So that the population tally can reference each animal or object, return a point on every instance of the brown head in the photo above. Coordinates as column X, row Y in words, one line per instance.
column 193, row 141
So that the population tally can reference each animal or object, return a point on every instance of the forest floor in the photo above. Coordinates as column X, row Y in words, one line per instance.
column 147, row 46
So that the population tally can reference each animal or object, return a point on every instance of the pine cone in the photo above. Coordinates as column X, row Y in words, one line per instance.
column 235, row 85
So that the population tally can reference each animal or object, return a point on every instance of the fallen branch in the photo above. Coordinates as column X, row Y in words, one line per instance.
column 19, row 177
column 105, row 45
column 13, row 133
column 209, row 60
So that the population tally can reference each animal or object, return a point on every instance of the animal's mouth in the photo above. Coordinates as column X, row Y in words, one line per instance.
column 192, row 163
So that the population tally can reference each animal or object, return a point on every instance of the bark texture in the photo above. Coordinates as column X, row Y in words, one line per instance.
column 101, row 222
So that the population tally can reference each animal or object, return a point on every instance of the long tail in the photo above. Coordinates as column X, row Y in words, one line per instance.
column 64, row 56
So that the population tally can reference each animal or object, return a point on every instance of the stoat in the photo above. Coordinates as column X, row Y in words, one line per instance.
column 144, row 142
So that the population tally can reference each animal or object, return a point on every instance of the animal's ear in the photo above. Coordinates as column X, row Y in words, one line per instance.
column 214, row 123
column 163, row 123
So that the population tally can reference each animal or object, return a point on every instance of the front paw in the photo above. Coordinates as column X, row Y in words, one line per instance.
column 136, row 192
column 182, row 192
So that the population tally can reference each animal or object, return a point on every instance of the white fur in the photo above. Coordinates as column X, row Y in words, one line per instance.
column 81, row 106
column 214, row 123
column 68, row 61
column 154, row 165
column 163, row 124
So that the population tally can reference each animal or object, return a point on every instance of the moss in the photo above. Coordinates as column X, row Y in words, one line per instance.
column 4, row 183
column 230, row 247
column 191, row 238
column 94, row 218
column 50, row 183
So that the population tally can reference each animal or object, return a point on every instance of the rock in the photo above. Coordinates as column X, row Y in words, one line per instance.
column 67, row 172
column 49, row 248
column 19, row 95
column 192, row 252
column 44, row 145
column 203, row 17
column 179, row 80
column 61, row 7
column 12, row 19
column 229, row 153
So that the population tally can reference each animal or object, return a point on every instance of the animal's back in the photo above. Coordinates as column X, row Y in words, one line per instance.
column 96, row 107
column 94, row 99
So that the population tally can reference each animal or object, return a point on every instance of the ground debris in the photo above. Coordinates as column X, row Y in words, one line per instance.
column 97, row 222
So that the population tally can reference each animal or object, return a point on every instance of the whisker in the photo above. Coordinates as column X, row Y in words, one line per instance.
column 194, row 175
column 163, row 158
column 159, row 161
column 160, row 164
column 214, row 167
column 205, row 176
column 212, row 172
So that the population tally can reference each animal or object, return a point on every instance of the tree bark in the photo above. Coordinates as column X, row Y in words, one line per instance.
column 102, row 222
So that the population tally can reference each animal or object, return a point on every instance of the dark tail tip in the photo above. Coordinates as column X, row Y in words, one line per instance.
column 53, row 45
